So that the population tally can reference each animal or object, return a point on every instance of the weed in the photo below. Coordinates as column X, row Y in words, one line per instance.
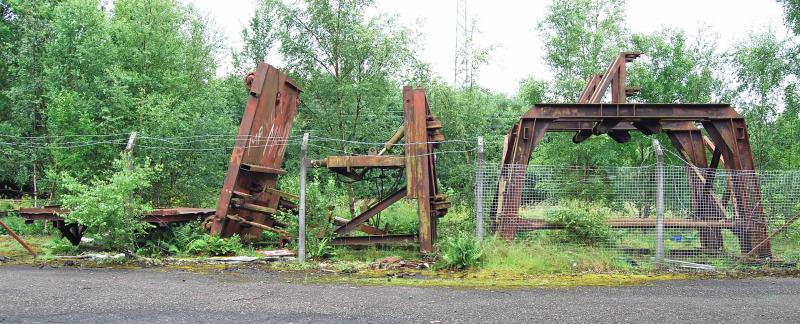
column 461, row 252
column 60, row 246
column 583, row 223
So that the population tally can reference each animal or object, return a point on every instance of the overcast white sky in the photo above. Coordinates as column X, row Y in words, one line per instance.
column 510, row 25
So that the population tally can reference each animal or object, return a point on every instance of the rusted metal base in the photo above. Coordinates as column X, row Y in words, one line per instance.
column 727, row 139
column 74, row 232
column 422, row 133
column 397, row 239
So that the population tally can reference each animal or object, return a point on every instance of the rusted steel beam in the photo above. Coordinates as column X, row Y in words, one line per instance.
column 258, row 153
column 375, row 239
column 338, row 221
column 360, row 161
column 18, row 239
column 372, row 211
column 632, row 112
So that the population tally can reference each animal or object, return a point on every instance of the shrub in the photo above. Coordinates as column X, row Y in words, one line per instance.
column 319, row 248
column 17, row 224
column 583, row 222
column 111, row 209
column 60, row 246
column 462, row 252
column 172, row 241
column 224, row 246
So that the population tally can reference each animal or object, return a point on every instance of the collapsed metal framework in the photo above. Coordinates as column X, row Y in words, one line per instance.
column 249, row 199
column 727, row 140
column 422, row 135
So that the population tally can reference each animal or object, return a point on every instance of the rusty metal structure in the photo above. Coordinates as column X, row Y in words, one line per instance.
column 726, row 138
column 422, row 133
column 161, row 217
column 249, row 198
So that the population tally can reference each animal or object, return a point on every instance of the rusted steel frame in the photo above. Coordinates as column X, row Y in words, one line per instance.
column 564, row 125
column 18, row 238
column 615, row 77
column 420, row 171
column 773, row 234
column 632, row 112
column 591, row 87
column 283, row 236
column 354, row 223
column 374, row 239
column 156, row 216
column 258, row 153
column 690, row 144
column 628, row 223
column 338, row 221
column 517, row 150
column 360, row 161
column 731, row 138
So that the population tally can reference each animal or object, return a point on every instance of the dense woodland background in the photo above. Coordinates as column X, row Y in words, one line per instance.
column 76, row 76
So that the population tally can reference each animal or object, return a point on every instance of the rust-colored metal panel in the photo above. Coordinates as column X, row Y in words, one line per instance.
column 257, row 156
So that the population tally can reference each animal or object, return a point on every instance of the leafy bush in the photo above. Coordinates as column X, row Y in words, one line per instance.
column 111, row 209
column 224, row 246
column 17, row 224
column 319, row 248
column 171, row 241
column 583, row 222
column 462, row 252
column 60, row 246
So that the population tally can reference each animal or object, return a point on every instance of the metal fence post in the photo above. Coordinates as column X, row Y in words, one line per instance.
column 659, row 203
column 301, row 239
column 479, row 192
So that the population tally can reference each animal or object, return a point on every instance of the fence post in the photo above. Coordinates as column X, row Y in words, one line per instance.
column 479, row 192
column 659, row 203
column 301, row 239
column 129, row 149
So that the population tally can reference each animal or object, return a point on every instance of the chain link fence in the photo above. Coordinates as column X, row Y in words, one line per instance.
column 709, row 217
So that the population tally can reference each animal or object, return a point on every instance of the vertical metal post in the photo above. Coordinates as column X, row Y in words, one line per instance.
column 479, row 192
column 129, row 149
column 301, row 236
column 659, row 202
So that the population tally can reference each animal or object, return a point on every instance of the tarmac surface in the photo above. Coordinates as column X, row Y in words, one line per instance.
column 70, row 294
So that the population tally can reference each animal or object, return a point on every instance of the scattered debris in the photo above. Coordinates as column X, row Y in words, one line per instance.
column 276, row 253
column 691, row 265
column 395, row 263
column 5, row 259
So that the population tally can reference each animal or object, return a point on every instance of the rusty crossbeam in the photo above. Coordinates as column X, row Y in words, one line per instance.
column 726, row 130
column 248, row 191
column 422, row 133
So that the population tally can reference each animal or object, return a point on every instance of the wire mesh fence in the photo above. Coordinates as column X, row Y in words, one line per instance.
column 710, row 216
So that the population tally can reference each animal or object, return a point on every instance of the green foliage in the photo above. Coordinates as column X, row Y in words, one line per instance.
column 112, row 208
column 583, row 222
column 60, row 246
column 581, row 37
column 540, row 256
column 216, row 245
column 173, row 241
column 461, row 252
column 319, row 248
column 17, row 224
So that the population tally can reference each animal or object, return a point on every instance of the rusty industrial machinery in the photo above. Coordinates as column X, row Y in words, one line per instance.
column 249, row 199
column 422, row 133
column 726, row 138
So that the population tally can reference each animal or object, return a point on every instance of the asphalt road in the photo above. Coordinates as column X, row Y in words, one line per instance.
column 30, row 294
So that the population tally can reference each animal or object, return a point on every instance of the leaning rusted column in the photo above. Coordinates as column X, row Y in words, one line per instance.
column 731, row 138
column 705, row 206
column 520, row 143
column 19, row 239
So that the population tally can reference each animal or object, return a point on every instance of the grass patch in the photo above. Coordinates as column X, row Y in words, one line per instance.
column 9, row 247
column 541, row 257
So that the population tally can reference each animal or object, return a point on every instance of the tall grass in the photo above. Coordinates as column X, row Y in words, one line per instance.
column 539, row 257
